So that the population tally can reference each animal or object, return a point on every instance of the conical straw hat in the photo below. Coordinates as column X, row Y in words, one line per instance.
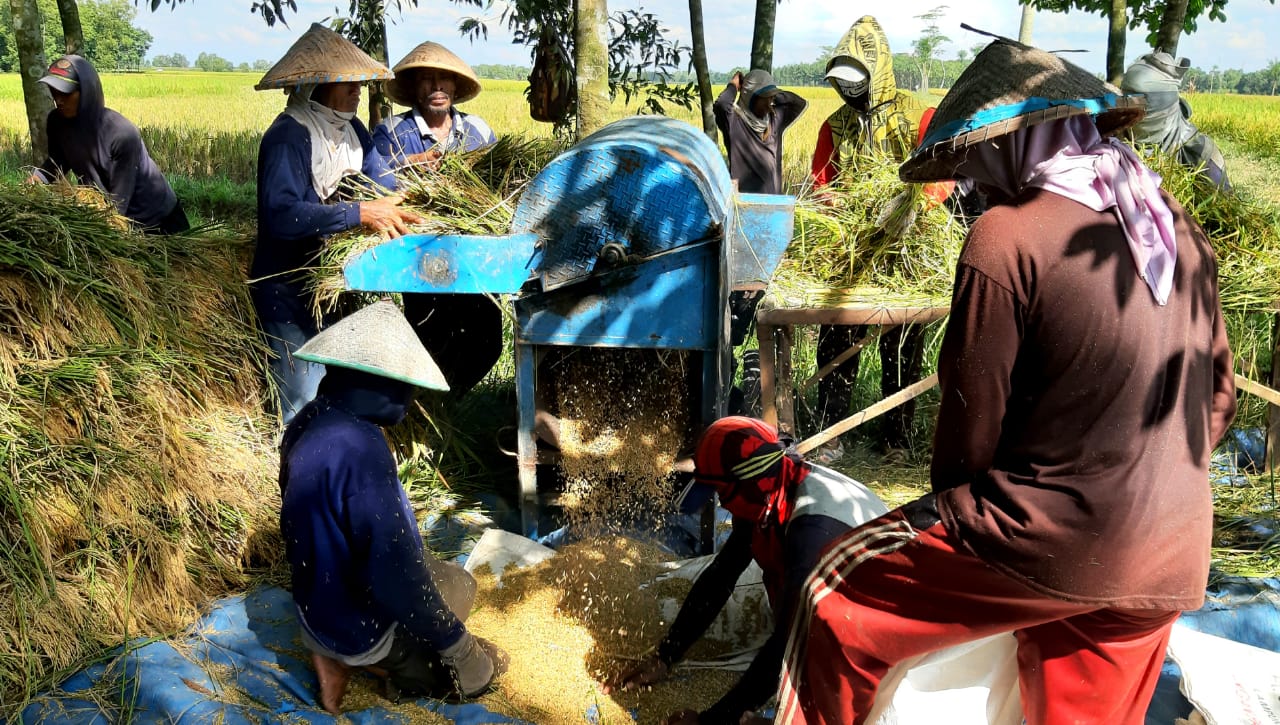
column 432, row 55
column 1009, row 86
column 376, row 340
column 322, row 56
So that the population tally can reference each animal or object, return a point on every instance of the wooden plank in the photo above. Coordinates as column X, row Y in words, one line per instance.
column 850, row 315
column 911, row 391
column 1270, row 395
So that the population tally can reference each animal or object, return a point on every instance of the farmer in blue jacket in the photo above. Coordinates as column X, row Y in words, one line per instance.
column 431, row 81
column 368, row 593
column 314, row 154
column 463, row 332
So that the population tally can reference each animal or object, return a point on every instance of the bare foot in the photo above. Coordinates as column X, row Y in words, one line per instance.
column 333, row 676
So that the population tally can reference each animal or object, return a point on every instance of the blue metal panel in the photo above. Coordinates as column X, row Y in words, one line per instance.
column 758, row 236
column 666, row 302
column 444, row 263
column 646, row 184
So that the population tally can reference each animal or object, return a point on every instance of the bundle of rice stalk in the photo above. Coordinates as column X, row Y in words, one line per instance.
column 1244, row 231
column 868, row 237
column 136, row 473
column 470, row 193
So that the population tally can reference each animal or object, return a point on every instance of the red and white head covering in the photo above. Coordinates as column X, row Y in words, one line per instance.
column 750, row 466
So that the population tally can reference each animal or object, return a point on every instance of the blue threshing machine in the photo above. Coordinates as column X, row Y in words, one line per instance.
column 632, row 238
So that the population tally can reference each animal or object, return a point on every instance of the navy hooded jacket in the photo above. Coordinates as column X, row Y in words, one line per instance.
column 105, row 149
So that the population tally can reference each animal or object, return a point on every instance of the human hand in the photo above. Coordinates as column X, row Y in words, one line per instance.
column 431, row 158
column 682, row 717
column 34, row 178
column 736, row 80
column 647, row 672
column 387, row 218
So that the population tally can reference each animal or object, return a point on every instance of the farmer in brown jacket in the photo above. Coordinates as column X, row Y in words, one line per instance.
column 1086, row 378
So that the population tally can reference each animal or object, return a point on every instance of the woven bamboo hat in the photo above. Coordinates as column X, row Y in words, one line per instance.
column 1007, row 87
column 376, row 340
column 322, row 56
column 432, row 55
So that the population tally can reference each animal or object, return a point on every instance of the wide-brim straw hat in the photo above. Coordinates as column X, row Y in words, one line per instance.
column 432, row 55
column 1010, row 86
column 322, row 56
column 377, row 340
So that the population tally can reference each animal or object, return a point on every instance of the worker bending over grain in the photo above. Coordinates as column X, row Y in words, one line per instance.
column 785, row 511
column 1085, row 379
column 367, row 591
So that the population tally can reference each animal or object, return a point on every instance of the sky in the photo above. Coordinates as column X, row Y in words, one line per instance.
column 804, row 27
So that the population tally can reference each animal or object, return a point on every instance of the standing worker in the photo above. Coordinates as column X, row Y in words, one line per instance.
column 105, row 150
column 876, row 119
column 463, row 332
column 785, row 511
column 309, row 160
column 1085, row 379
column 431, row 81
column 753, row 114
column 368, row 593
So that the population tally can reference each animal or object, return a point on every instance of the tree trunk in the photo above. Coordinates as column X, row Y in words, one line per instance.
column 1024, row 28
column 379, row 101
column 72, row 34
column 762, row 38
column 591, row 64
column 1115, row 40
column 700, row 67
column 1175, row 14
column 32, row 65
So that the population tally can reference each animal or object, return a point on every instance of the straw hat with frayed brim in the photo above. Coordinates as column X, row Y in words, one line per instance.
column 377, row 340
column 322, row 56
column 432, row 55
column 1010, row 86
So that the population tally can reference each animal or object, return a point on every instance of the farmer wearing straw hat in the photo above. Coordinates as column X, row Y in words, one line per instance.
column 431, row 81
column 876, row 119
column 314, row 154
column 462, row 332
column 368, row 594
column 785, row 511
column 105, row 150
column 1085, row 379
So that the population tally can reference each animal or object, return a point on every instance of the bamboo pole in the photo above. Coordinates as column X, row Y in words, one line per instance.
column 911, row 391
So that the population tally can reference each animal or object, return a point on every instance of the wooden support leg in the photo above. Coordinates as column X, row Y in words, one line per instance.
column 768, row 378
column 1273, row 428
column 786, row 390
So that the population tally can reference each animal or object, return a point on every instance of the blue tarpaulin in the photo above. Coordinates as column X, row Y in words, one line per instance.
column 250, row 641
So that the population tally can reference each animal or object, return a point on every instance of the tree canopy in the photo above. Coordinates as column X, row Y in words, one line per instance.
column 110, row 38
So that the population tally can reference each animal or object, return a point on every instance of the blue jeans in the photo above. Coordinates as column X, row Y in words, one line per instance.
column 287, row 323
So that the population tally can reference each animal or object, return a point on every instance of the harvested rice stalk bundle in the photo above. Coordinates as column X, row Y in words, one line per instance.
column 623, row 420
column 869, row 230
column 575, row 619
column 1245, row 234
column 134, row 465
column 471, row 193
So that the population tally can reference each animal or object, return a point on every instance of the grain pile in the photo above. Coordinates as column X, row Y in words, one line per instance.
column 575, row 620
column 136, row 471
column 624, row 417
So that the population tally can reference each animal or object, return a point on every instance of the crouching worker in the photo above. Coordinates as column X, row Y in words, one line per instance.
column 785, row 511
column 367, row 592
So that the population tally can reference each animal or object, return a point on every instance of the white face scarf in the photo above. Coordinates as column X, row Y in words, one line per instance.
column 335, row 148
column 1071, row 159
